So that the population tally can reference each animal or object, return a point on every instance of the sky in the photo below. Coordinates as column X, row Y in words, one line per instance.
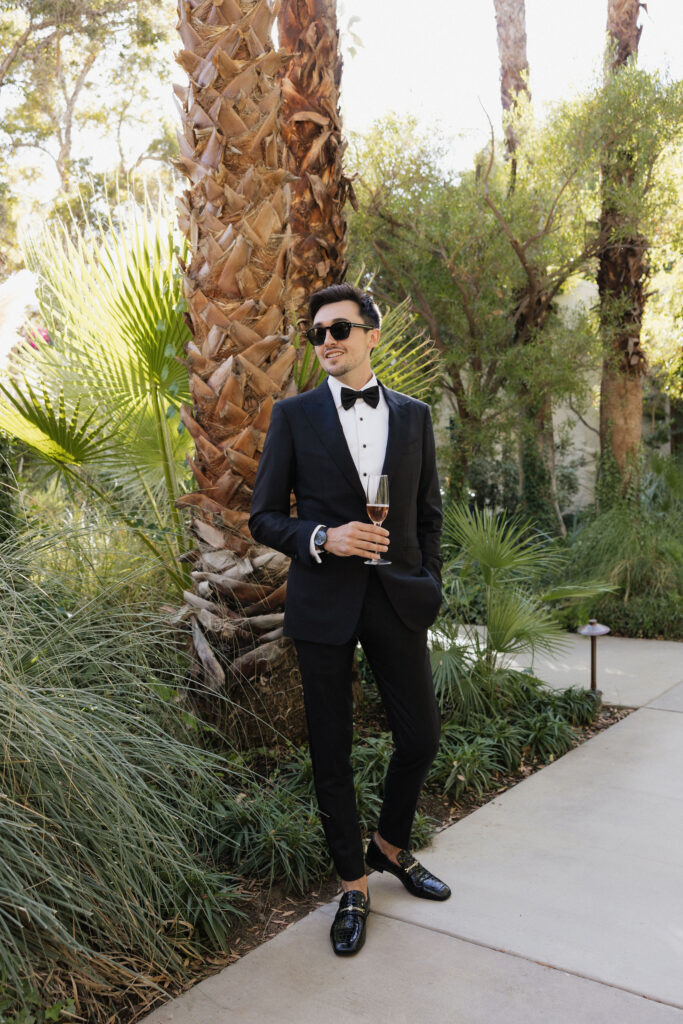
column 438, row 60
column 442, row 66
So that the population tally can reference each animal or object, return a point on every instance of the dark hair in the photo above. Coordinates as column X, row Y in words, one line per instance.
column 339, row 293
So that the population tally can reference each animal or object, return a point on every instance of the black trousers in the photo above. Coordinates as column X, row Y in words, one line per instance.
column 399, row 660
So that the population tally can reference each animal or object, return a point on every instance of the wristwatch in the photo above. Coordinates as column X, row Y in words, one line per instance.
column 320, row 538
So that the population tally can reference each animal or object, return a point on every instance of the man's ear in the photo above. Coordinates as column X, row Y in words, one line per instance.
column 374, row 336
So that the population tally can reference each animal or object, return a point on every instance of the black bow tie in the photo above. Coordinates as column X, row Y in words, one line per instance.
column 370, row 395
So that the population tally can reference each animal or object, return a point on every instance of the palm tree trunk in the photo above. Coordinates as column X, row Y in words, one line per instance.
column 621, row 283
column 235, row 215
column 312, row 135
column 538, row 483
column 514, row 66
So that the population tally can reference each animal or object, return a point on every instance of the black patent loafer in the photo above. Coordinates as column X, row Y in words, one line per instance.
column 348, row 928
column 417, row 880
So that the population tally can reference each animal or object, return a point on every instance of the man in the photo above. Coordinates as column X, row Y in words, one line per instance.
column 323, row 445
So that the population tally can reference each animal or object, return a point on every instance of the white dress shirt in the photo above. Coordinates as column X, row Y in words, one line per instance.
column 366, row 431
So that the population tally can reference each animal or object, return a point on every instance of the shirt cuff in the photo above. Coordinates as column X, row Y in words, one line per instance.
column 311, row 544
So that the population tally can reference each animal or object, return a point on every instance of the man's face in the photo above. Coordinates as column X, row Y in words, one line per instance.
column 352, row 355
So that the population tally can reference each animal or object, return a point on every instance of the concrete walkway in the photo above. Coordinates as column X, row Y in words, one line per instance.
column 568, row 893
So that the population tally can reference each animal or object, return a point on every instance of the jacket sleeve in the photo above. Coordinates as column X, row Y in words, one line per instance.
column 429, row 512
column 271, row 522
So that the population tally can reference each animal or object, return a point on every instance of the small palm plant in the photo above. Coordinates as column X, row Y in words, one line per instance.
column 97, row 405
column 507, row 560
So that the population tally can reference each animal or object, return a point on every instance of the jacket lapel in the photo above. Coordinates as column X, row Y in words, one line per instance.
column 323, row 417
column 325, row 421
column 398, row 430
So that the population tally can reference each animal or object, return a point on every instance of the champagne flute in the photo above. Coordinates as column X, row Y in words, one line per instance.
column 377, row 507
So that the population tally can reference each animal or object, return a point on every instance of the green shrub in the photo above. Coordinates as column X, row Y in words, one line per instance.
column 460, row 685
column 39, row 1012
column 518, row 693
column 109, row 839
column 547, row 735
column 520, row 717
column 637, row 545
column 422, row 831
column 507, row 739
column 274, row 839
column 294, row 771
column 97, row 405
column 578, row 707
column 474, row 767
column 464, row 761
column 99, row 835
column 644, row 615
column 370, row 759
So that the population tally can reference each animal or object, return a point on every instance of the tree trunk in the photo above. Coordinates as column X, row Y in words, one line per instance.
column 514, row 66
column 538, row 479
column 623, row 30
column 235, row 216
column 621, row 278
column 538, row 484
column 312, row 136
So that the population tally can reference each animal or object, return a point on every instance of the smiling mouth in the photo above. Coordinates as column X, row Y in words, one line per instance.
column 334, row 352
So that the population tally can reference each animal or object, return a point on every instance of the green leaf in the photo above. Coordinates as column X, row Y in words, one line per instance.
column 518, row 621
column 499, row 543
column 578, row 591
column 58, row 435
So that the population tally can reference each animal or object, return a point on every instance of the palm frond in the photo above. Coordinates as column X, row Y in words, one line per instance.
column 111, row 301
column 455, row 685
column 499, row 543
column 518, row 621
column 61, row 436
column 577, row 591
column 406, row 361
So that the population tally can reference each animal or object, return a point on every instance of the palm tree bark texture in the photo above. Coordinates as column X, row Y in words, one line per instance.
column 537, row 469
column 235, row 216
column 312, row 136
column 514, row 66
column 621, row 281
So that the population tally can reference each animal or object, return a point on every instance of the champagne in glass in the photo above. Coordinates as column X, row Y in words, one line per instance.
column 377, row 507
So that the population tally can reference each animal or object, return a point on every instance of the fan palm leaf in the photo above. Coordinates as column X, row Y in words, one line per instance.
column 508, row 555
column 498, row 544
column 111, row 301
column 60, row 437
column 577, row 591
column 517, row 621
column 97, row 402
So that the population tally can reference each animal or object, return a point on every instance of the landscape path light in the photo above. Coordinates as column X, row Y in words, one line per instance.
column 594, row 629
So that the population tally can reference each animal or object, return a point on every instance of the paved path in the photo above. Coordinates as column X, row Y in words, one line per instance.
column 568, row 894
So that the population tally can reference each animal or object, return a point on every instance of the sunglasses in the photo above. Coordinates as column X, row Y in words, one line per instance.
column 339, row 330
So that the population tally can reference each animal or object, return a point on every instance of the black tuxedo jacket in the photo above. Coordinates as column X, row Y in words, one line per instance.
column 306, row 452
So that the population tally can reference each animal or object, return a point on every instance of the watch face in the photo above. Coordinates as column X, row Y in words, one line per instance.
column 320, row 538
